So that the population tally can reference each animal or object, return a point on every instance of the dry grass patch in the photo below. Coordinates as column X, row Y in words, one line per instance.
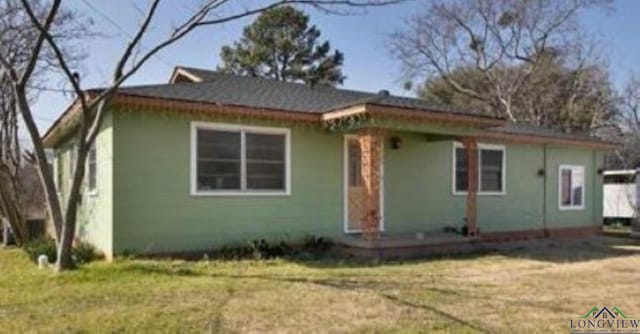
column 536, row 288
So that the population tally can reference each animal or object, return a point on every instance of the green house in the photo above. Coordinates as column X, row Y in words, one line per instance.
column 211, row 159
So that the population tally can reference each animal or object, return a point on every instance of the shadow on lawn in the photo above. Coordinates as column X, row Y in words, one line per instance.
column 423, row 291
column 351, row 283
column 546, row 250
column 571, row 250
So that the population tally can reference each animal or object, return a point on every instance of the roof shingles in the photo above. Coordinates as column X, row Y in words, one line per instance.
column 262, row 93
column 258, row 92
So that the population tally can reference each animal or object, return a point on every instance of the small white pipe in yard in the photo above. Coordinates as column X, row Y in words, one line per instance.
column 4, row 225
column 43, row 262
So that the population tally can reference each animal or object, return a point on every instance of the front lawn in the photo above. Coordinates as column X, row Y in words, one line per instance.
column 534, row 288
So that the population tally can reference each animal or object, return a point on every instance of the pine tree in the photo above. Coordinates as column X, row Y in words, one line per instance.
column 280, row 45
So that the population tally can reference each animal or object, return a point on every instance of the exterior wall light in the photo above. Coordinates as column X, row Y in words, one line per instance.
column 396, row 142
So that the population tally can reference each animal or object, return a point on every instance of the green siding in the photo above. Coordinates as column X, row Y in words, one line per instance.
column 155, row 212
column 521, row 208
column 417, row 186
column 144, row 189
column 592, row 212
column 95, row 212
column 419, row 194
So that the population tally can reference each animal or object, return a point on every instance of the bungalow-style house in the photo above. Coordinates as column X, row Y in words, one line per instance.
column 211, row 159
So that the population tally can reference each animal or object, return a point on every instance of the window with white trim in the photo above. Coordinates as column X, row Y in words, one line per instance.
column 73, row 157
column 571, row 186
column 230, row 159
column 59, row 171
column 491, row 165
column 92, row 170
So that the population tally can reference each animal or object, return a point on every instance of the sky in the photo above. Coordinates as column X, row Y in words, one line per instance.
column 361, row 37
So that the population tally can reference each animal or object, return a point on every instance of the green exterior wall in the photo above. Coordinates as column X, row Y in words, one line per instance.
column 419, row 194
column 95, row 211
column 144, row 202
column 154, row 211
column 592, row 213
column 521, row 208
column 417, row 186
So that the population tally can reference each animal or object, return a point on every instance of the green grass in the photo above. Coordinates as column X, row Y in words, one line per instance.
column 534, row 288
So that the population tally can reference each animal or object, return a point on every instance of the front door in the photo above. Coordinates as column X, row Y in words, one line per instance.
column 354, row 186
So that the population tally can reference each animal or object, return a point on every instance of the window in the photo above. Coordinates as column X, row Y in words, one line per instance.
column 230, row 159
column 491, row 169
column 355, row 173
column 619, row 178
column 571, row 187
column 461, row 173
column 72, row 162
column 491, row 173
column 59, row 172
column 92, row 170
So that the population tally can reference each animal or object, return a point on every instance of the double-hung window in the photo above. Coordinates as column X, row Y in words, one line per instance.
column 231, row 159
column 571, row 187
column 491, row 169
column 92, row 170
column 60, row 172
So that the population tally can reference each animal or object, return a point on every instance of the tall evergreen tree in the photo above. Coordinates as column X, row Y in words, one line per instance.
column 280, row 45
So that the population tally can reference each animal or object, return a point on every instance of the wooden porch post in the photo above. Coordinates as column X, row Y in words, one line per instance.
column 471, row 145
column 371, row 168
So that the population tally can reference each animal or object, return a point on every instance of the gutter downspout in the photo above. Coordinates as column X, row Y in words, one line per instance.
column 594, row 191
column 545, row 231
column 635, row 224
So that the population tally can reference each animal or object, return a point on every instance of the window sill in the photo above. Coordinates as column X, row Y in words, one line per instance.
column 239, row 194
column 93, row 193
column 481, row 193
column 571, row 208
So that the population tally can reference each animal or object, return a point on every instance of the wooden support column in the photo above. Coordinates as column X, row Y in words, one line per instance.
column 371, row 168
column 471, row 146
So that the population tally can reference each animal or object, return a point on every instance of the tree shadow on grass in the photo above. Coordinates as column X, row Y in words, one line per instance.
column 345, row 284
column 545, row 250
column 548, row 250
column 168, row 270
column 376, row 285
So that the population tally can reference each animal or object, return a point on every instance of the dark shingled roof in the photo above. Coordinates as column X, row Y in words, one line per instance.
column 216, row 87
column 273, row 94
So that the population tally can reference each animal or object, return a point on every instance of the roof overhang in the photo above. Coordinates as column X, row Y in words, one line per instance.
column 68, row 120
column 180, row 72
column 534, row 139
column 482, row 124
column 383, row 111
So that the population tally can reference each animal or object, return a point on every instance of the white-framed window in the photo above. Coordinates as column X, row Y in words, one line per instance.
column 492, row 166
column 72, row 157
column 92, row 170
column 231, row 159
column 59, row 171
column 571, row 187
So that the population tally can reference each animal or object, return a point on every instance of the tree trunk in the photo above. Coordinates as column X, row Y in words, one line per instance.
column 46, row 176
column 11, row 207
column 65, row 244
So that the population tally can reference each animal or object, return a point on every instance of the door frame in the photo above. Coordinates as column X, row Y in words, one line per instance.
column 345, row 185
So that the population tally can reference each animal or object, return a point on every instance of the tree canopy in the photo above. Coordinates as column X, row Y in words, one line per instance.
column 559, row 96
column 281, row 45
column 527, row 61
